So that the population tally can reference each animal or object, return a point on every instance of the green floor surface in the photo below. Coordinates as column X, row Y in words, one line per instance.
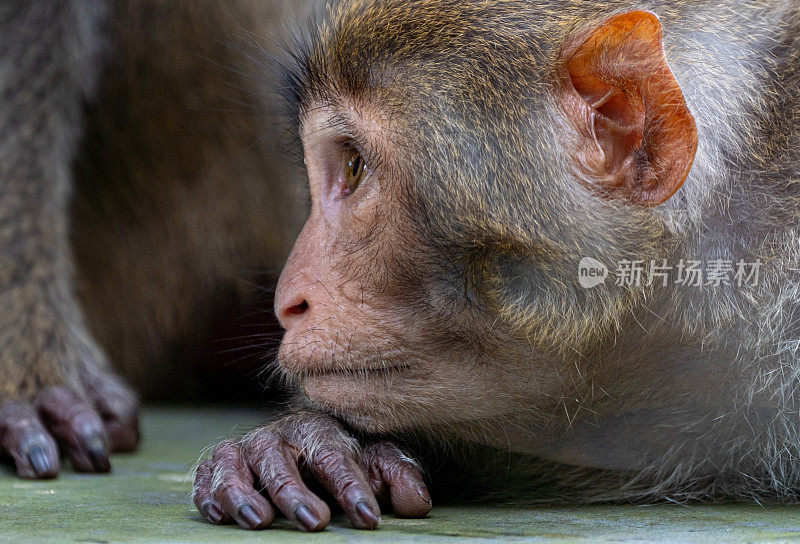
column 147, row 500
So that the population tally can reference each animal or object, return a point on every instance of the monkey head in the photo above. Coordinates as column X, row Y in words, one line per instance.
column 462, row 158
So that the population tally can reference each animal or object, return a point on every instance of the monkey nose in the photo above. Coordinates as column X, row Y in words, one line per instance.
column 292, row 311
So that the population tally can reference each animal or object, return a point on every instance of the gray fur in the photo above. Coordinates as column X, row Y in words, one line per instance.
column 49, row 67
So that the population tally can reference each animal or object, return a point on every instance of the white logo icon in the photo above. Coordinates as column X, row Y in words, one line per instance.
column 591, row 273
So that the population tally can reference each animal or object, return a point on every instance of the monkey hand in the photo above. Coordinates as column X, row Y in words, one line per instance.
column 275, row 458
column 82, row 410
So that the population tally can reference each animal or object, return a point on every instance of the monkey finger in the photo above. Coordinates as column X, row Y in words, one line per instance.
column 23, row 436
column 203, row 496
column 119, row 410
column 233, row 488
column 388, row 466
column 77, row 427
column 123, row 434
column 275, row 463
column 339, row 472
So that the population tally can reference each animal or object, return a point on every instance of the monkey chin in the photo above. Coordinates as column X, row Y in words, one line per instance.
column 370, row 400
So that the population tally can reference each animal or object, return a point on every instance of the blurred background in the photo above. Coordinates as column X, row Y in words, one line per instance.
column 190, row 192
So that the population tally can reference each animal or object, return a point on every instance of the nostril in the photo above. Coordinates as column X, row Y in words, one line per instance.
column 297, row 309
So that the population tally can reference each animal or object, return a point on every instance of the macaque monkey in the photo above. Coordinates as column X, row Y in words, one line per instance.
column 466, row 160
column 140, row 183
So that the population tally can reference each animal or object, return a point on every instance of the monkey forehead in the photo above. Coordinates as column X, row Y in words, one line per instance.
column 490, row 54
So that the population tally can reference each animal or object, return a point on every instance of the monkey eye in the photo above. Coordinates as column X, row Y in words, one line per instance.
column 355, row 171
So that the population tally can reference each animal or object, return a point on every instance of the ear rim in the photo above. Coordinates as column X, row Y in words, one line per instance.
column 581, row 117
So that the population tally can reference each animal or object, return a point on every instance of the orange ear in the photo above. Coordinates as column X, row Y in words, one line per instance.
column 636, row 137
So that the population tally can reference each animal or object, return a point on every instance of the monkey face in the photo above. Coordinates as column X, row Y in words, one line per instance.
column 435, row 280
column 372, row 331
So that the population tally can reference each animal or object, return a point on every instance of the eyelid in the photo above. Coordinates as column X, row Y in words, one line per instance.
column 347, row 145
column 348, row 137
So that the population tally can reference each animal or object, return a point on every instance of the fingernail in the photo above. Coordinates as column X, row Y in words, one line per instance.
column 309, row 521
column 422, row 489
column 99, row 456
column 248, row 517
column 370, row 519
column 39, row 461
column 212, row 513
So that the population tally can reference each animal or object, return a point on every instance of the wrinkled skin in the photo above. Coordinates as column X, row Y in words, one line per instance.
column 279, row 459
column 57, row 420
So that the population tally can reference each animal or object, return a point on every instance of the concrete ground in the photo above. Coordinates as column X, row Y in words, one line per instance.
column 146, row 499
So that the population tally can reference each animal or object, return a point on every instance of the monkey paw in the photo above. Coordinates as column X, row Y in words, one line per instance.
column 57, row 419
column 275, row 459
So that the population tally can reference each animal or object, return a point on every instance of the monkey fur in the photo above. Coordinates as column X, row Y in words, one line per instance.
column 142, row 188
column 434, row 306
column 452, row 327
